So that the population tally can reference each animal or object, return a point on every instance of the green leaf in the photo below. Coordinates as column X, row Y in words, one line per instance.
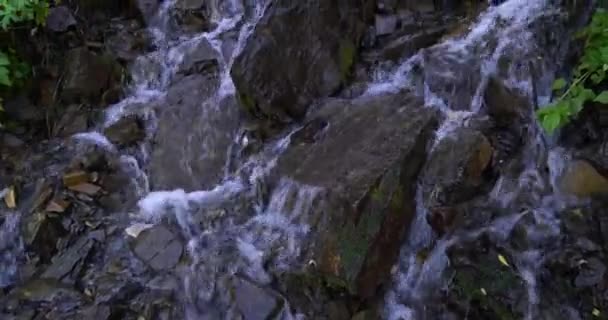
column 559, row 84
column 551, row 121
column 4, row 77
column 602, row 97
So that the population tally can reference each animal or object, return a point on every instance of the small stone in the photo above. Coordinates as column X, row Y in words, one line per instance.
column 86, row 188
column 57, row 205
column 74, row 178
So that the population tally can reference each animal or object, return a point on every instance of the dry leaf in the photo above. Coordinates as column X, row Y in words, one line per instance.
column 503, row 260
column 10, row 198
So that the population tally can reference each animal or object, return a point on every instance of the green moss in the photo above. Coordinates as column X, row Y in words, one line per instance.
column 347, row 58
column 247, row 102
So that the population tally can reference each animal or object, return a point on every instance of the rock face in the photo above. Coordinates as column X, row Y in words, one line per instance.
column 366, row 161
column 583, row 180
column 314, row 44
column 88, row 75
column 159, row 248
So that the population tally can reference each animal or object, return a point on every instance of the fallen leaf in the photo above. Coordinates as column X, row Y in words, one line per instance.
column 10, row 198
column 57, row 206
column 75, row 178
column 503, row 260
column 596, row 312
column 86, row 188
column 484, row 292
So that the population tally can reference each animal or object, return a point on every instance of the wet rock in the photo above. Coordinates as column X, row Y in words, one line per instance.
column 253, row 302
column 88, row 75
column 385, row 24
column 406, row 44
column 193, row 135
column 68, row 265
column 455, row 170
column 147, row 7
column 159, row 248
column 200, row 58
column 126, row 131
column 60, row 19
column 74, row 119
column 316, row 54
column 365, row 175
column 581, row 179
column 129, row 41
column 505, row 105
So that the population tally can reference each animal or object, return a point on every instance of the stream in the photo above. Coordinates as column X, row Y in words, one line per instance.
column 193, row 179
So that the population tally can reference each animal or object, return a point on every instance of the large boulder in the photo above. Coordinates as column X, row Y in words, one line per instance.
column 299, row 50
column 363, row 159
column 194, row 132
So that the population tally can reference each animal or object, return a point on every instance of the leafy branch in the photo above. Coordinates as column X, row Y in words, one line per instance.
column 591, row 71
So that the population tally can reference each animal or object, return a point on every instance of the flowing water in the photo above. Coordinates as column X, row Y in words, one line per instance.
column 231, row 231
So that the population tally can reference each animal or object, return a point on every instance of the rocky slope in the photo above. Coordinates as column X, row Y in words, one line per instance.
column 280, row 160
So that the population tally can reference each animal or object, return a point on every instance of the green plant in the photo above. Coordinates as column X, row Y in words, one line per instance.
column 590, row 72
column 15, row 11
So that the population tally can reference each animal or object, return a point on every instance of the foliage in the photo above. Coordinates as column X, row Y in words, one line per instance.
column 13, row 12
column 590, row 72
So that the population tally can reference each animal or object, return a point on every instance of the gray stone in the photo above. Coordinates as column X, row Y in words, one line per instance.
column 253, row 302
column 364, row 164
column 313, row 44
column 193, row 135
column 159, row 248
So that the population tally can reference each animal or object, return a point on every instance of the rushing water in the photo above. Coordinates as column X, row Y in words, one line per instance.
column 502, row 29
column 230, row 230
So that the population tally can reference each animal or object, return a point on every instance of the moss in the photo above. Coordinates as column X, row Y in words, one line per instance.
column 247, row 102
column 347, row 58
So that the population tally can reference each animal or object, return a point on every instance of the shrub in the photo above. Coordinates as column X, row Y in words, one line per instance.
column 590, row 72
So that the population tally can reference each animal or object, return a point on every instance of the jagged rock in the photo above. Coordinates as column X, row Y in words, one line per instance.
column 455, row 170
column 365, row 166
column 315, row 55
column 253, row 302
column 41, row 233
column 197, row 129
column 113, row 289
column 88, row 75
column 505, row 105
column 158, row 247
column 60, row 19
column 126, row 131
column 583, row 180
column 193, row 16
column 69, row 263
